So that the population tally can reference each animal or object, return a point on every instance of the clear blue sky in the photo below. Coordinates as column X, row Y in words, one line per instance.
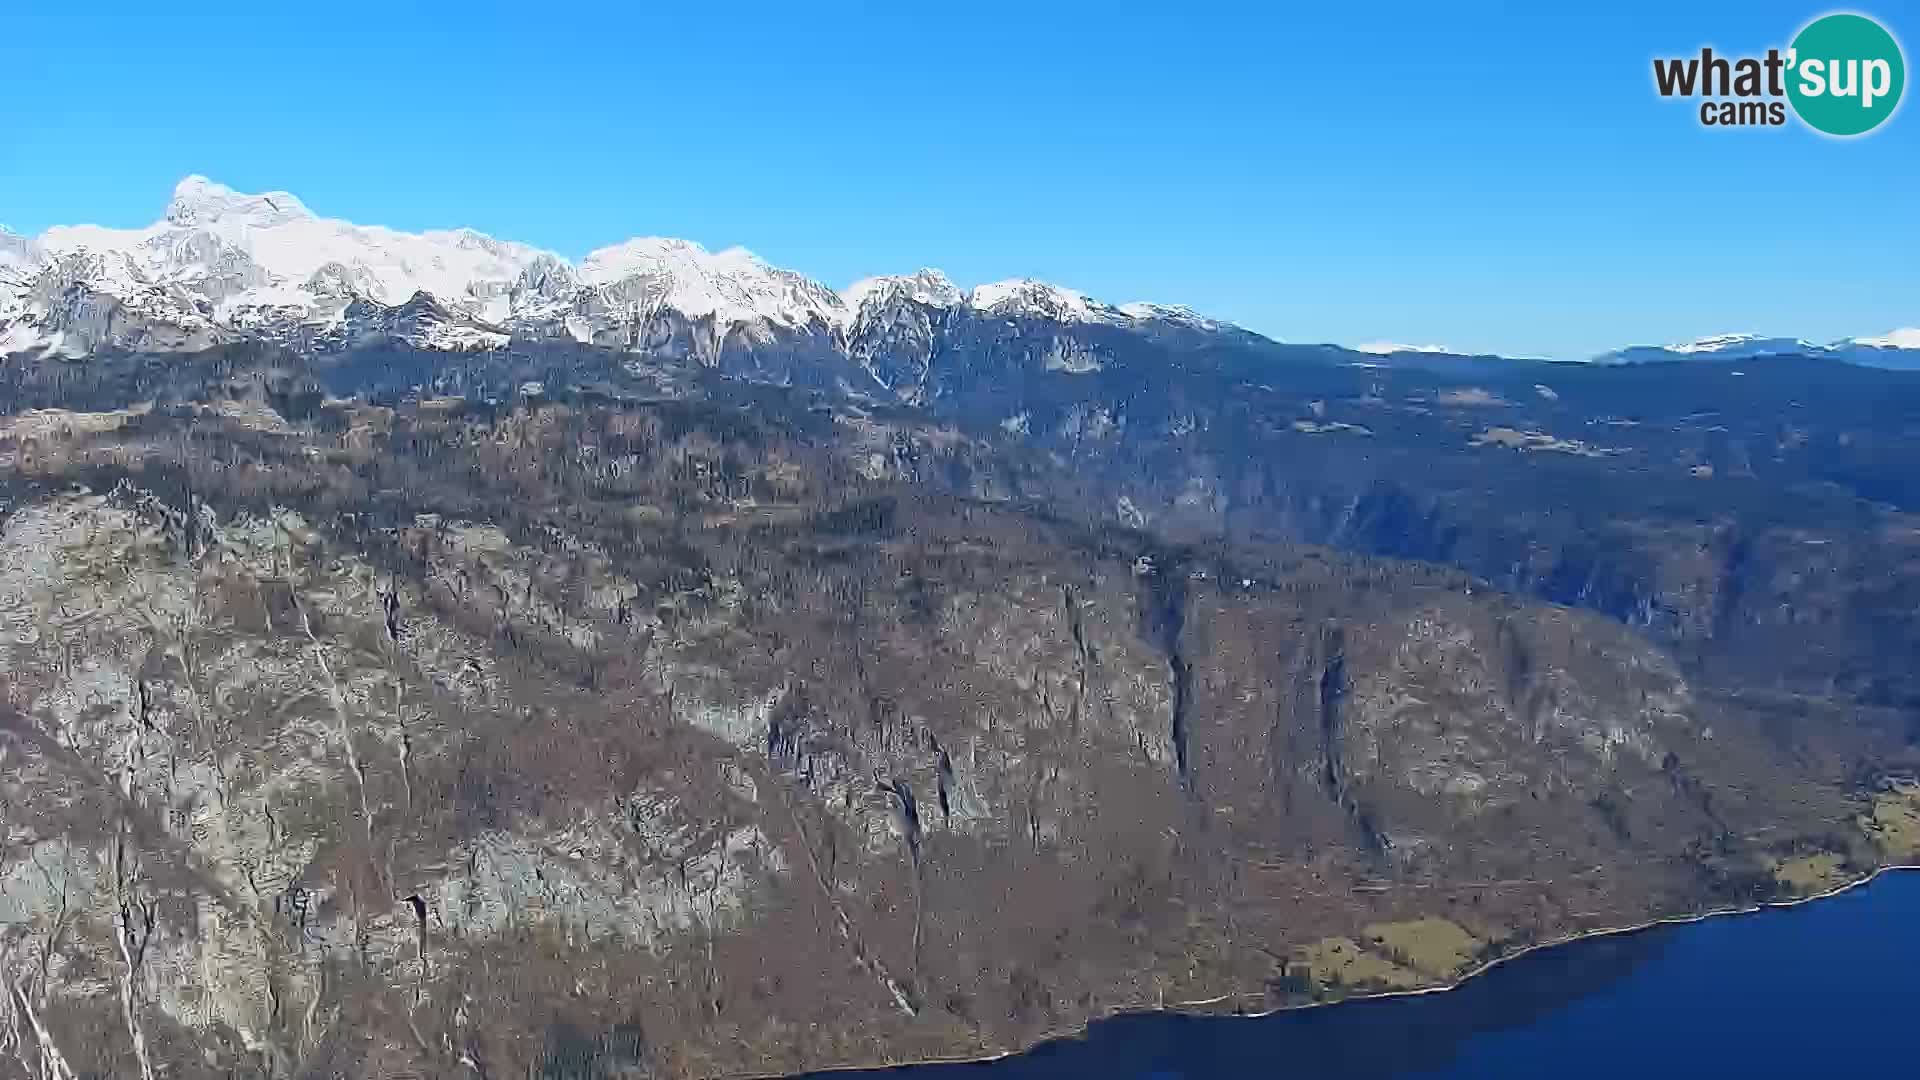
column 1490, row 177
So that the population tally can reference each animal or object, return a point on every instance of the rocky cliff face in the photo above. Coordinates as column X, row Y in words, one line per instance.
column 691, row 727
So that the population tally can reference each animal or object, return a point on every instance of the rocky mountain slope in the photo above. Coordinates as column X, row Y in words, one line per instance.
column 619, row 716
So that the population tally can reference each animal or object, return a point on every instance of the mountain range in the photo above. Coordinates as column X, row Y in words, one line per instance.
column 222, row 266
column 422, row 655
column 1898, row 350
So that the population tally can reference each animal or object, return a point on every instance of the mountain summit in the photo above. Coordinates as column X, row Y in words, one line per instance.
column 198, row 200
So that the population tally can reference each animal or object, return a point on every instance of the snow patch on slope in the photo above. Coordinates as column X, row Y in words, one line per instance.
column 1388, row 348
column 1175, row 313
column 1728, row 342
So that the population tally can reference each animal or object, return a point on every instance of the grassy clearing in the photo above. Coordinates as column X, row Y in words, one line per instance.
column 1432, row 946
column 1805, row 874
column 1894, row 824
column 1341, row 962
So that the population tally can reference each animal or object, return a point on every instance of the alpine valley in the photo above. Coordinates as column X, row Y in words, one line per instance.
column 423, row 655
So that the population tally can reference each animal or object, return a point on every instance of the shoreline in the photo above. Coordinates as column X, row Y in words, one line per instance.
column 1182, row 1007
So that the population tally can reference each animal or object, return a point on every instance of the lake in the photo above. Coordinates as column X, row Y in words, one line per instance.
column 1826, row 988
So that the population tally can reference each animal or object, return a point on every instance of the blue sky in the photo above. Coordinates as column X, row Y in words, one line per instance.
column 1489, row 177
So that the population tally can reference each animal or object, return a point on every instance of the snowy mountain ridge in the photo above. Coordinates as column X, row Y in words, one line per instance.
column 1895, row 349
column 221, row 264
column 1905, row 338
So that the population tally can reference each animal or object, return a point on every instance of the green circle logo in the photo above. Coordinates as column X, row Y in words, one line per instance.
column 1845, row 74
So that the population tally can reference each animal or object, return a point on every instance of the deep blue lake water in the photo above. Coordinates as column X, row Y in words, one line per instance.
column 1829, row 988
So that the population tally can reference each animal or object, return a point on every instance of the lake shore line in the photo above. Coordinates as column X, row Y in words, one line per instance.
column 1186, row 1007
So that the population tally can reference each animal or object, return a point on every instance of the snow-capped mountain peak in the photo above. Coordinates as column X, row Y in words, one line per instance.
column 925, row 286
column 254, row 250
column 730, row 286
column 199, row 201
column 1025, row 296
column 1904, row 338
